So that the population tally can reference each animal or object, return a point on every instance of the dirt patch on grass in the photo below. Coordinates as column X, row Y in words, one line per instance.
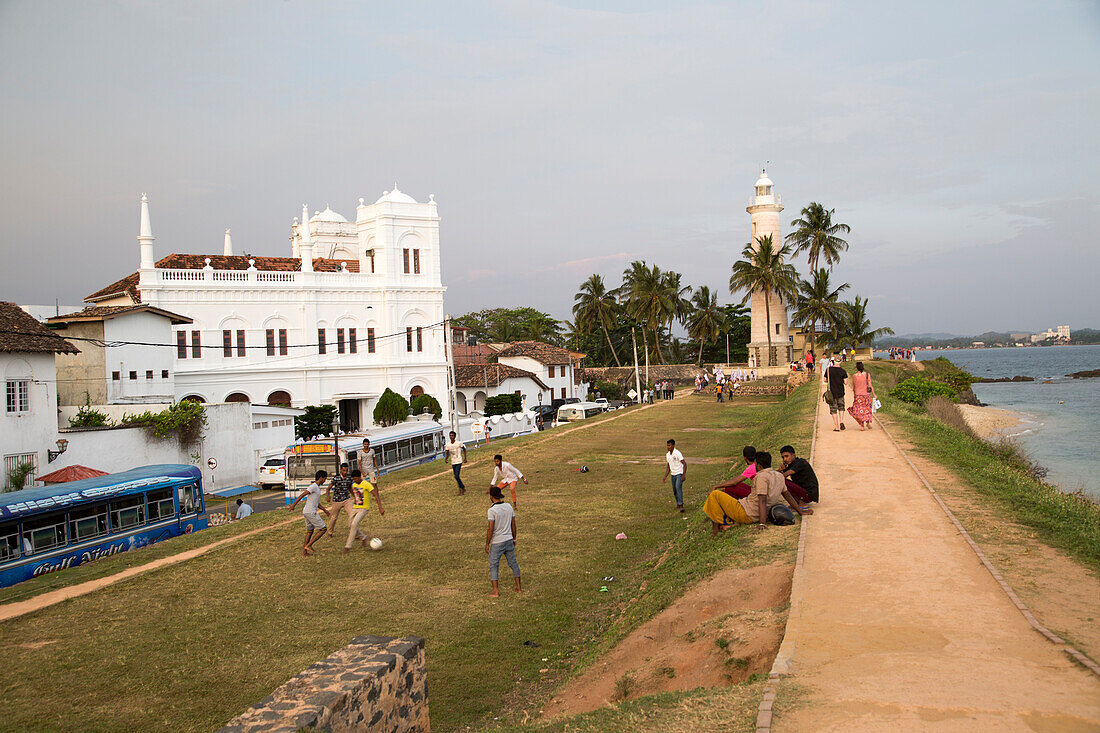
column 720, row 632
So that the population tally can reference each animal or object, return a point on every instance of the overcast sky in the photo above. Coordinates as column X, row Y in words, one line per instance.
column 958, row 140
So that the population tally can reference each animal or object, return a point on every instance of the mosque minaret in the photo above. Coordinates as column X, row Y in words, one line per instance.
column 764, row 216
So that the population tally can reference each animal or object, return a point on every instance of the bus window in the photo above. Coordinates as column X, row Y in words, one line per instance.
column 127, row 511
column 43, row 533
column 592, row 412
column 304, row 468
column 391, row 453
column 189, row 503
column 404, row 449
column 88, row 521
column 161, row 505
column 9, row 541
column 418, row 446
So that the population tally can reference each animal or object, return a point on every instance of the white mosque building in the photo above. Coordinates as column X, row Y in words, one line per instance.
column 768, row 320
column 356, row 308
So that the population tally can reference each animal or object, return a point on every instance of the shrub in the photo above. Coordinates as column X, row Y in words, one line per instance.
column 918, row 389
column 317, row 420
column 86, row 417
column 948, row 413
column 184, row 420
column 426, row 401
column 610, row 390
column 391, row 409
column 17, row 477
column 503, row 404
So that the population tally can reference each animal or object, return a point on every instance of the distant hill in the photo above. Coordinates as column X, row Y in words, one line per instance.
column 922, row 336
column 989, row 338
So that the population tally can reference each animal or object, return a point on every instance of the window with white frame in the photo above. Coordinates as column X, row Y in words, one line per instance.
column 18, row 395
column 14, row 461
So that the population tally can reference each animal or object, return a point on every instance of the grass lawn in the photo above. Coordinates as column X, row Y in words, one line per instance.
column 189, row 646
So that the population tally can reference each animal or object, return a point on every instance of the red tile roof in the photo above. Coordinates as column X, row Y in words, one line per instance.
column 490, row 375
column 21, row 333
column 71, row 473
column 106, row 312
column 541, row 352
column 129, row 284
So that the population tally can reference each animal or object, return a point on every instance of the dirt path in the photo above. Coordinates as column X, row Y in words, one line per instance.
column 896, row 625
column 44, row 600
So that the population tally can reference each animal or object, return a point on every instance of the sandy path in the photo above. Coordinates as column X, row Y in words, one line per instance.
column 896, row 625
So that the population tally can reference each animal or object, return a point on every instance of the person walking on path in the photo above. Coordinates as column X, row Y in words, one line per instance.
column 768, row 489
column 313, row 520
column 505, row 474
column 718, row 391
column 339, row 498
column 361, row 492
column 368, row 463
column 677, row 469
column 800, row 476
column 500, row 539
column 834, row 378
column 457, row 452
column 863, row 396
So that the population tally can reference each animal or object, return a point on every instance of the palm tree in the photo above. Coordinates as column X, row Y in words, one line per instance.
column 763, row 268
column 645, row 295
column 817, row 235
column 707, row 320
column 677, row 301
column 856, row 326
column 818, row 302
column 594, row 303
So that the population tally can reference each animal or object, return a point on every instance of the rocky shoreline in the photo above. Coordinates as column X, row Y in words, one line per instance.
column 1085, row 374
column 998, row 380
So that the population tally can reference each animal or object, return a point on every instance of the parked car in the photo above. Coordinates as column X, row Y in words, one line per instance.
column 603, row 403
column 273, row 472
column 564, row 401
column 545, row 413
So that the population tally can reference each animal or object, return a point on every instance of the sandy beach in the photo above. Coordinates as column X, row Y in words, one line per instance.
column 990, row 423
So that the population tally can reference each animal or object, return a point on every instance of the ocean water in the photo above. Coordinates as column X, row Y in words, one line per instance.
column 1061, row 428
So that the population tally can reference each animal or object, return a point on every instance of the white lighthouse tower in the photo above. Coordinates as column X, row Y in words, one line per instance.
column 767, row 320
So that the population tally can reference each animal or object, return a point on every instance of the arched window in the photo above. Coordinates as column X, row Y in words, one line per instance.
column 237, row 397
column 193, row 398
column 460, row 403
column 416, row 391
column 280, row 398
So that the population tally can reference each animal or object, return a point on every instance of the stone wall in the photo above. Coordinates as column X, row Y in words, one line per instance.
column 375, row 683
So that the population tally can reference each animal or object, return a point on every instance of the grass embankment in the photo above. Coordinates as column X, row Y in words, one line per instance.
column 997, row 471
column 189, row 646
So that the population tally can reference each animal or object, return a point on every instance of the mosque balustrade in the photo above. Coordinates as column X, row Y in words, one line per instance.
column 236, row 278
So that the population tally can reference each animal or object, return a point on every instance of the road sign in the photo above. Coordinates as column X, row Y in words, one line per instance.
column 476, row 428
column 213, row 463
column 633, row 394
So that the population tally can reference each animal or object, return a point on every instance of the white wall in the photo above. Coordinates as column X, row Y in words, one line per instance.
column 34, row 431
column 228, row 437
column 146, row 328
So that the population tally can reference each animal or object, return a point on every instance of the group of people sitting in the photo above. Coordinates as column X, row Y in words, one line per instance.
column 762, row 493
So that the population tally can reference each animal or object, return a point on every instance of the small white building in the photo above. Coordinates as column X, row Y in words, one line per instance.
column 28, row 425
column 555, row 367
column 356, row 308
column 474, row 383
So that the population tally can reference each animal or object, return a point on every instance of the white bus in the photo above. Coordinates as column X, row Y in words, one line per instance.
column 578, row 411
column 397, row 447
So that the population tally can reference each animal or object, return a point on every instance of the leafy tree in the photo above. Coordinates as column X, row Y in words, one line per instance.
column 422, row 401
column 391, row 409
column 316, row 421
column 817, row 235
column 818, row 302
column 512, row 324
column 707, row 321
column 610, row 390
column 764, row 268
column 594, row 303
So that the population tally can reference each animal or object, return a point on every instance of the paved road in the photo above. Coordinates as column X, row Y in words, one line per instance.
column 895, row 624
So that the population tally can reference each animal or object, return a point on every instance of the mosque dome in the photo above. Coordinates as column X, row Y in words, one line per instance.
column 328, row 215
column 396, row 196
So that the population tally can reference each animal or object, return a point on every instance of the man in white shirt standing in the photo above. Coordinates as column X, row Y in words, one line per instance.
column 243, row 510
column 505, row 474
column 457, row 452
column 500, row 539
column 677, row 468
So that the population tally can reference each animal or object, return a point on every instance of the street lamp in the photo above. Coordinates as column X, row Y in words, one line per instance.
column 336, row 443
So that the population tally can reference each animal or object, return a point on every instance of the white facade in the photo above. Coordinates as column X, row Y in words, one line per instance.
column 764, row 208
column 380, row 312
column 472, row 399
column 28, row 423
column 560, row 378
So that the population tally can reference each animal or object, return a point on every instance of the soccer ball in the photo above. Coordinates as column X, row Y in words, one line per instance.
column 376, row 544
column 584, row 469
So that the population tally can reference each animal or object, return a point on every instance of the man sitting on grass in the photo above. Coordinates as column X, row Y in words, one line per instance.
column 741, row 486
column 800, row 476
column 767, row 491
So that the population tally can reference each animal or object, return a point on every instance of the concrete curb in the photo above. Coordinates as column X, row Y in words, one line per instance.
column 1053, row 638
column 784, row 658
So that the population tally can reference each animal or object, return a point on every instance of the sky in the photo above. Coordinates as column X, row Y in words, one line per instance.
column 959, row 141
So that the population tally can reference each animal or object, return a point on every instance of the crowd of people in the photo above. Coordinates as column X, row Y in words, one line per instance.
column 906, row 354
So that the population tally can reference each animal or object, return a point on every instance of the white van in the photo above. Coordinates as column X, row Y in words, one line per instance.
column 578, row 411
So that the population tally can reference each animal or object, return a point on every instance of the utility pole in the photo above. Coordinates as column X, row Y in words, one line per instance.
column 452, row 387
column 727, row 349
column 637, row 378
column 647, row 368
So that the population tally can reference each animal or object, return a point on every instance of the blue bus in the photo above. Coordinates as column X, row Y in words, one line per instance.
column 50, row 528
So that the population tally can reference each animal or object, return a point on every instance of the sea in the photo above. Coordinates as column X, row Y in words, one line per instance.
column 1061, row 415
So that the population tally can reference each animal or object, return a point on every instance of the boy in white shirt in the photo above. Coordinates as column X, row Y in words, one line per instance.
column 677, row 468
column 457, row 452
column 312, row 495
column 505, row 474
column 500, row 539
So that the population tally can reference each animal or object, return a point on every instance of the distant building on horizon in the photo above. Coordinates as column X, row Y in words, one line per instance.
column 1061, row 333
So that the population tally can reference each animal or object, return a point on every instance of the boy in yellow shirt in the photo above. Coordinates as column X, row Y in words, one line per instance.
column 361, row 492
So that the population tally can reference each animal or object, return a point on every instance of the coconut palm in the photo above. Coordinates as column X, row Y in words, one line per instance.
column 818, row 302
column 764, row 268
column 856, row 326
column 645, row 296
column 677, row 298
column 594, row 303
column 707, row 320
column 817, row 235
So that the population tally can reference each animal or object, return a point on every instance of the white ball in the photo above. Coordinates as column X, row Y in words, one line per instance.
column 376, row 544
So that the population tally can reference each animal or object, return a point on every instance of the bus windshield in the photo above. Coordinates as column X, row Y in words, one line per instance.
column 305, row 467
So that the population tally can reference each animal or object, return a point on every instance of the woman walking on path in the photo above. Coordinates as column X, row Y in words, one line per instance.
column 863, row 398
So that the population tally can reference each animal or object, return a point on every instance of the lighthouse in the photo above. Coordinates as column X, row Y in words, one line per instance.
column 769, row 320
